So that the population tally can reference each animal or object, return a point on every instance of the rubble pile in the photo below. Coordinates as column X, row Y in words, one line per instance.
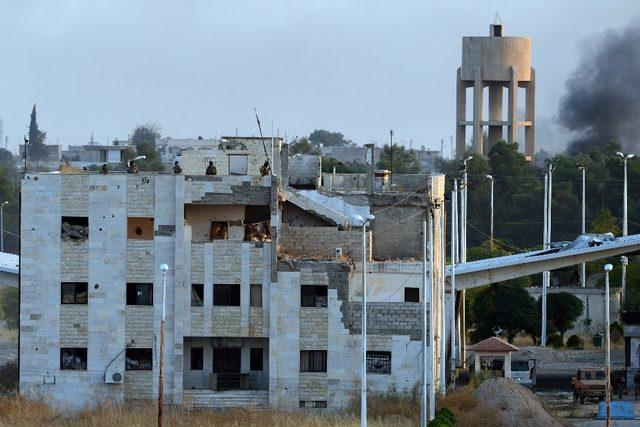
column 74, row 232
column 514, row 404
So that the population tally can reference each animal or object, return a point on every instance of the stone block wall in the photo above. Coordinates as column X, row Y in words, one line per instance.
column 388, row 318
column 138, row 385
column 74, row 261
column 313, row 328
column 140, row 261
column 141, row 195
column 226, row 321
column 313, row 386
column 321, row 242
column 139, row 326
column 74, row 319
column 256, row 322
column 74, row 195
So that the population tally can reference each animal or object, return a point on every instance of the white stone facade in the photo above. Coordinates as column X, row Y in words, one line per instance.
column 266, row 326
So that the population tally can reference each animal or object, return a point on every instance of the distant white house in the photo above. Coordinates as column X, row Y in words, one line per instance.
column 9, row 269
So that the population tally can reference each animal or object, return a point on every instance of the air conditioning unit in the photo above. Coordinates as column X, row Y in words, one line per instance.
column 114, row 378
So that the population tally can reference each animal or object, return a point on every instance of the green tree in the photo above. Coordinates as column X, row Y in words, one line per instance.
column 303, row 146
column 9, row 307
column 505, row 307
column 328, row 163
column 563, row 309
column 404, row 161
column 605, row 222
column 144, row 139
column 36, row 149
column 328, row 139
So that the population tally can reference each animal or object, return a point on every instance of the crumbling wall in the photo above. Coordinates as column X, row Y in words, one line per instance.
column 397, row 231
column 321, row 242
column 294, row 216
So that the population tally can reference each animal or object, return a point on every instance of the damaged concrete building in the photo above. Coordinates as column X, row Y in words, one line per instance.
column 263, row 291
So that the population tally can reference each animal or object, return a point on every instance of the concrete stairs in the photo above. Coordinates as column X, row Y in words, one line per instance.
column 225, row 399
column 318, row 209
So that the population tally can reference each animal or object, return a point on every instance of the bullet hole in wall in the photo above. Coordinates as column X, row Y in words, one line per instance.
column 96, row 286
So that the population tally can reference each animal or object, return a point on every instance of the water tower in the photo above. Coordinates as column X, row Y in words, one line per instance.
column 495, row 63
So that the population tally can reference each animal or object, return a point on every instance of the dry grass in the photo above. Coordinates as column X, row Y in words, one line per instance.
column 467, row 409
column 8, row 334
column 16, row 411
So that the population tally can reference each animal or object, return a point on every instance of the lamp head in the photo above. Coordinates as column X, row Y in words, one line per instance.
column 608, row 267
column 6, row 202
column 490, row 176
column 620, row 154
column 370, row 218
column 630, row 156
column 164, row 267
column 357, row 219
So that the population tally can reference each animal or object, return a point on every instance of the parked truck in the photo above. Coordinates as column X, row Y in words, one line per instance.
column 589, row 383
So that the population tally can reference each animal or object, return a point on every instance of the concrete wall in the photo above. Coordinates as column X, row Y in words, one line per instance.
column 321, row 242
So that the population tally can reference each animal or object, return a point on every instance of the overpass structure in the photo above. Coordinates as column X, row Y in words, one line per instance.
column 9, row 269
column 492, row 270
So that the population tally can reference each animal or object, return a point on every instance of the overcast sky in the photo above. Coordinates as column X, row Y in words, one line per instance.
column 200, row 67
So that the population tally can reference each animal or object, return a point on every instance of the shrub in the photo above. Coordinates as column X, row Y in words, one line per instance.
column 617, row 332
column 575, row 342
column 444, row 418
column 555, row 341
column 9, row 377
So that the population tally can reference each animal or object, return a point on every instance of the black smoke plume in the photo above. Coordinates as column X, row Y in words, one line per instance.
column 602, row 102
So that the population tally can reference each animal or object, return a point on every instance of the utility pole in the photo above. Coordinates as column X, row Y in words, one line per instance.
column 607, row 368
column 425, row 292
column 454, row 252
column 625, row 220
column 443, row 328
column 463, row 259
column 164, row 268
column 391, row 157
column 583, row 268
column 491, row 227
column 431, row 329
column 543, row 297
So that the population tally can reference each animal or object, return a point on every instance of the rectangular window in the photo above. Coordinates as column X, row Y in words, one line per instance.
column 219, row 230
column 73, row 293
column 256, row 355
column 226, row 295
column 74, row 228
column 139, row 228
column 379, row 362
column 73, row 359
column 197, row 294
column 138, row 359
column 256, row 296
column 237, row 164
column 313, row 404
column 197, row 358
column 139, row 293
column 411, row 294
column 313, row 361
column 313, row 296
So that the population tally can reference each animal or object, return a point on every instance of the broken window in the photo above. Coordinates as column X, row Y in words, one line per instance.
column 313, row 361
column 255, row 297
column 138, row 359
column 256, row 223
column 197, row 294
column 219, row 230
column 139, row 293
column 313, row 296
column 411, row 294
column 73, row 293
column 237, row 164
column 197, row 358
column 73, row 359
column 313, row 403
column 75, row 228
column 140, row 228
column 256, row 359
column 226, row 294
column 379, row 362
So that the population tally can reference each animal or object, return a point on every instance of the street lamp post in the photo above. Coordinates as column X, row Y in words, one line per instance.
column 363, row 373
column 163, row 267
column 463, row 258
column 490, row 177
column 2, row 225
column 625, row 217
column 454, row 251
column 583, row 268
column 607, row 269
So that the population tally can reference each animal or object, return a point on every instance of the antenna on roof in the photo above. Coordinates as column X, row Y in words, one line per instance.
column 261, row 137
